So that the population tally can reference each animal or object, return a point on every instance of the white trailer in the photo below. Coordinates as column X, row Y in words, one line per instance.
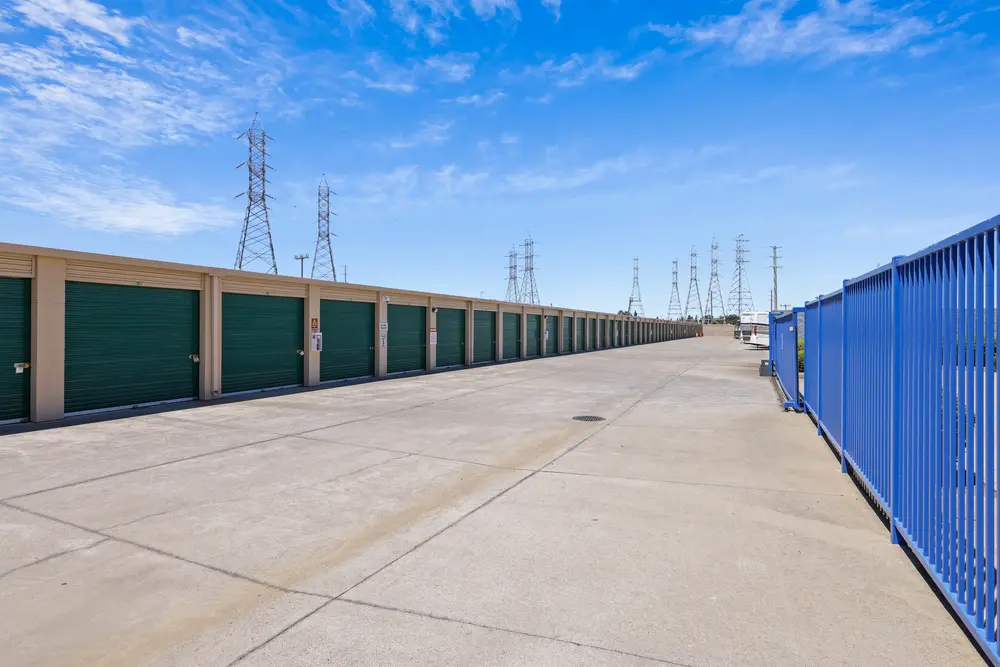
column 754, row 329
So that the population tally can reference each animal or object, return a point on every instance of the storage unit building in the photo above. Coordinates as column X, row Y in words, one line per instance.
column 511, row 335
column 262, row 342
column 451, row 337
column 348, row 329
column 407, row 338
column 533, row 328
column 15, row 347
column 551, row 334
column 484, row 336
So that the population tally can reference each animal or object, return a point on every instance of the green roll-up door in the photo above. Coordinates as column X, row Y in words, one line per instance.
column 262, row 337
column 511, row 335
column 551, row 324
column 567, row 335
column 451, row 337
column 15, row 347
column 128, row 345
column 533, row 329
column 484, row 336
column 592, row 341
column 348, row 329
column 604, row 333
column 581, row 333
column 407, row 339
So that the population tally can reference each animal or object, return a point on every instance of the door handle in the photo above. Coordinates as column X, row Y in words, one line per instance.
column 20, row 368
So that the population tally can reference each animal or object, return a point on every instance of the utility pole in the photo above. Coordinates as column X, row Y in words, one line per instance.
column 323, row 266
column 345, row 273
column 740, row 299
column 512, row 286
column 302, row 264
column 256, row 249
column 774, row 269
column 674, row 312
column 694, row 293
column 529, row 290
column 635, row 299
column 714, row 304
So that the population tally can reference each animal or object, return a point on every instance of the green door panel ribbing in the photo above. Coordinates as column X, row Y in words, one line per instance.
column 604, row 333
column 567, row 335
column 592, row 341
column 451, row 337
column 484, row 336
column 551, row 322
column 581, row 333
column 511, row 335
column 261, row 340
column 15, row 347
column 348, row 329
column 534, row 333
column 407, row 339
column 127, row 345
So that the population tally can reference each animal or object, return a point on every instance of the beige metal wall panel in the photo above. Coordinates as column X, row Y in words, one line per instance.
column 448, row 302
column 17, row 266
column 407, row 300
column 332, row 293
column 123, row 274
column 269, row 287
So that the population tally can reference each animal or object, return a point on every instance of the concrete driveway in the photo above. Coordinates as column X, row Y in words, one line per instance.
column 461, row 519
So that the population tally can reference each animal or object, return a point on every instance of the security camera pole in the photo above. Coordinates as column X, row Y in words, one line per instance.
column 302, row 264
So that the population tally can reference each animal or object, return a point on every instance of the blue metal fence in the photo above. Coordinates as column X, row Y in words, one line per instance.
column 784, row 337
column 900, row 375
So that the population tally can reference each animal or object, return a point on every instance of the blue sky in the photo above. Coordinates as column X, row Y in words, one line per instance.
column 844, row 132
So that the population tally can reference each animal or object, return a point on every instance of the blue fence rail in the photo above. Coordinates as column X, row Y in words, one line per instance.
column 784, row 354
column 901, row 378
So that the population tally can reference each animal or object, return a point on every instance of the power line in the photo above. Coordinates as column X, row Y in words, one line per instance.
column 256, row 249
column 323, row 266
column 694, row 293
column 529, row 290
column 512, row 286
column 713, row 302
column 674, row 312
column 635, row 299
column 740, row 298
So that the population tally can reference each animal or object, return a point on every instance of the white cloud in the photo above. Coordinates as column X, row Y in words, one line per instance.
column 770, row 30
column 429, row 134
column 353, row 13
column 577, row 69
column 61, row 15
column 429, row 17
column 553, row 6
column 542, row 99
column 561, row 178
column 509, row 138
column 486, row 9
column 452, row 182
column 94, row 85
column 478, row 100
column 453, row 67
column 386, row 76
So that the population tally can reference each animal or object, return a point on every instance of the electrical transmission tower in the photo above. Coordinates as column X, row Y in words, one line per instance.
column 512, row 288
column 713, row 302
column 774, row 268
column 256, row 251
column 323, row 266
column 694, row 294
column 740, row 299
column 529, row 290
column 674, row 311
column 635, row 300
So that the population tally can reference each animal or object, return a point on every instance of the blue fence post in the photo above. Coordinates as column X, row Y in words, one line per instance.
column 770, row 341
column 843, row 380
column 799, row 403
column 895, row 439
column 819, row 364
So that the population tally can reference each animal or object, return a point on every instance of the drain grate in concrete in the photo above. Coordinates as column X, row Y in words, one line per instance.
column 588, row 418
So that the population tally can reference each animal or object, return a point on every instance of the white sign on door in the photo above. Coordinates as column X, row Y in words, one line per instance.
column 383, row 326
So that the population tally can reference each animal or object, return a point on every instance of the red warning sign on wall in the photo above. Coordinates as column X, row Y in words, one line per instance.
column 315, row 324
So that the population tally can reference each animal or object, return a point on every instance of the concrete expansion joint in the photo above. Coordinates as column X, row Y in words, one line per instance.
column 494, row 628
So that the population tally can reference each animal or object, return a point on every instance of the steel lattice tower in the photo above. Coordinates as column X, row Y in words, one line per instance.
column 713, row 302
column 323, row 266
column 529, row 290
column 256, row 251
column 740, row 299
column 674, row 311
column 635, row 300
column 694, row 294
column 512, row 288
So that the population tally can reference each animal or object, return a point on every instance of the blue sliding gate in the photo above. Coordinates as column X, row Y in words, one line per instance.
column 901, row 377
column 784, row 353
